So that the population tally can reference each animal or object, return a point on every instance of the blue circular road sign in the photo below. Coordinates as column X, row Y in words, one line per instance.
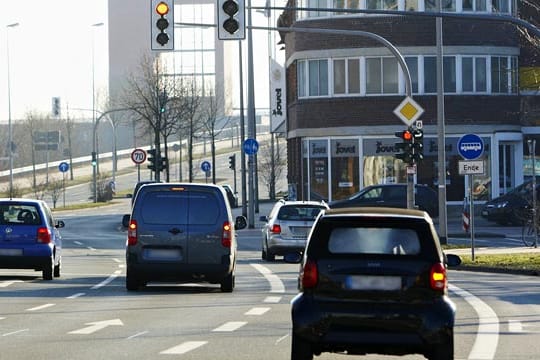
column 251, row 146
column 63, row 166
column 470, row 146
column 206, row 166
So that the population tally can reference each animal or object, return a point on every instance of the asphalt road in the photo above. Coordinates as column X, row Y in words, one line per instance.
column 88, row 314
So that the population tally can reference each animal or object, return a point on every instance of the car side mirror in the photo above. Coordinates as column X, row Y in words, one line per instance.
column 453, row 260
column 59, row 224
column 263, row 218
column 125, row 220
column 240, row 223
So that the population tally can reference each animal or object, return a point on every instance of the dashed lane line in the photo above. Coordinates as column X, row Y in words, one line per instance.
column 41, row 307
column 257, row 311
column 230, row 326
column 184, row 348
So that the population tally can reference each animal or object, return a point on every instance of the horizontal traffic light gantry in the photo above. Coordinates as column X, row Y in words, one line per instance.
column 162, row 24
column 411, row 147
column 231, row 19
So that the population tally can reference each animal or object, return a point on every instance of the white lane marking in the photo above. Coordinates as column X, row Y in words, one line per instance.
column 116, row 260
column 230, row 326
column 282, row 338
column 107, row 280
column 276, row 285
column 257, row 311
column 515, row 326
column 2, row 318
column 15, row 332
column 74, row 296
column 184, row 348
column 272, row 299
column 96, row 326
column 90, row 248
column 487, row 336
column 77, row 243
column 4, row 284
column 40, row 307
column 137, row 335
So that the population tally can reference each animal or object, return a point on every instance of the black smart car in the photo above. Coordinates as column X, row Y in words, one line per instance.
column 373, row 280
column 392, row 195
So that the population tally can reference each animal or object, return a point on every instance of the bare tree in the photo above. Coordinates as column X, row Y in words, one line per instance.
column 212, row 105
column 54, row 189
column 33, row 123
column 271, row 166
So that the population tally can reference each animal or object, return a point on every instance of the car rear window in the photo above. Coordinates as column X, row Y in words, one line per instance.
column 190, row 207
column 301, row 213
column 19, row 214
column 373, row 240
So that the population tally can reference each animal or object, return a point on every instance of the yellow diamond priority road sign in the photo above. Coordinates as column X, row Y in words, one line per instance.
column 408, row 111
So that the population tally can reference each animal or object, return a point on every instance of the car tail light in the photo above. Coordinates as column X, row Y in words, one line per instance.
column 437, row 277
column 309, row 275
column 226, row 238
column 276, row 229
column 43, row 235
column 132, row 232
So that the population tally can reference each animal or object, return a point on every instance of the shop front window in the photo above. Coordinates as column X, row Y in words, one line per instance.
column 345, row 170
column 318, row 170
column 379, row 163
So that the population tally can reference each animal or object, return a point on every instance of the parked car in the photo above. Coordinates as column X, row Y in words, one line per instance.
column 373, row 280
column 184, row 233
column 29, row 237
column 286, row 228
column 392, row 195
column 231, row 195
column 511, row 208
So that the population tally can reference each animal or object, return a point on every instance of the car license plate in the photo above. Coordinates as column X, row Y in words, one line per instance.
column 373, row 282
column 11, row 252
column 162, row 254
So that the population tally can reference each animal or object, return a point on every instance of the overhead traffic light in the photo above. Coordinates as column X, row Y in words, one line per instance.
column 232, row 162
column 151, row 157
column 162, row 24
column 231, row 19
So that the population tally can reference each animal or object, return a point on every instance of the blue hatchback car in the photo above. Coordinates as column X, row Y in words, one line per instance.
column 29, row 237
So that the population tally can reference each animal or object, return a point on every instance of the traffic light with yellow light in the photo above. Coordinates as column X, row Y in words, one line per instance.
column 231, row 19
column 162, row 24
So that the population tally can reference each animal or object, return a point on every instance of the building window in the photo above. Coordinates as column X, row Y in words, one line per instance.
column 430, row 74
column 346, row 76
column 381, row 76
column 301, row 75
column 504, row 79
column 500, row 6
column 412, row 64
column 447, row 5
column 449, row 71
column 381, row 4
column 474, row 5
column 318, row 77
column 474, row 74
column 345, row 170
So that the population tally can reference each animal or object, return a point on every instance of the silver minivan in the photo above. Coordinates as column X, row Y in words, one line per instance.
column 182, row 232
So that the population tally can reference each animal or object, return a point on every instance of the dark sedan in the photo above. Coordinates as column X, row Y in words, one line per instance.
column 510, row 208
column 392, row 195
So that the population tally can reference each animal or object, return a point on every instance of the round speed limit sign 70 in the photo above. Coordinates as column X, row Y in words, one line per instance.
column 138, row 156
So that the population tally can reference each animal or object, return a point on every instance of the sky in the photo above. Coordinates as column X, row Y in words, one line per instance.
column 50, row 54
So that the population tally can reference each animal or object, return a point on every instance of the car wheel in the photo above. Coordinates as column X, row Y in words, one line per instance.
column 132, row 282
column 227, row 285
column 57, row 269
column 300, row 349
column 444, row 351
column 263, row 254
column 48, row 270
column 270, row 256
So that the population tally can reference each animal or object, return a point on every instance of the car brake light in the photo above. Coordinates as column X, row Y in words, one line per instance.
column 226, row 238
column 309, row 275
column 43, row 235
column 276, row 229
column 132, row 232
column 437, row 277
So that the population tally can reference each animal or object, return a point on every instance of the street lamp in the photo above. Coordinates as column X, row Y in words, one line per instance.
column 94, row 167
column 10, row 131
